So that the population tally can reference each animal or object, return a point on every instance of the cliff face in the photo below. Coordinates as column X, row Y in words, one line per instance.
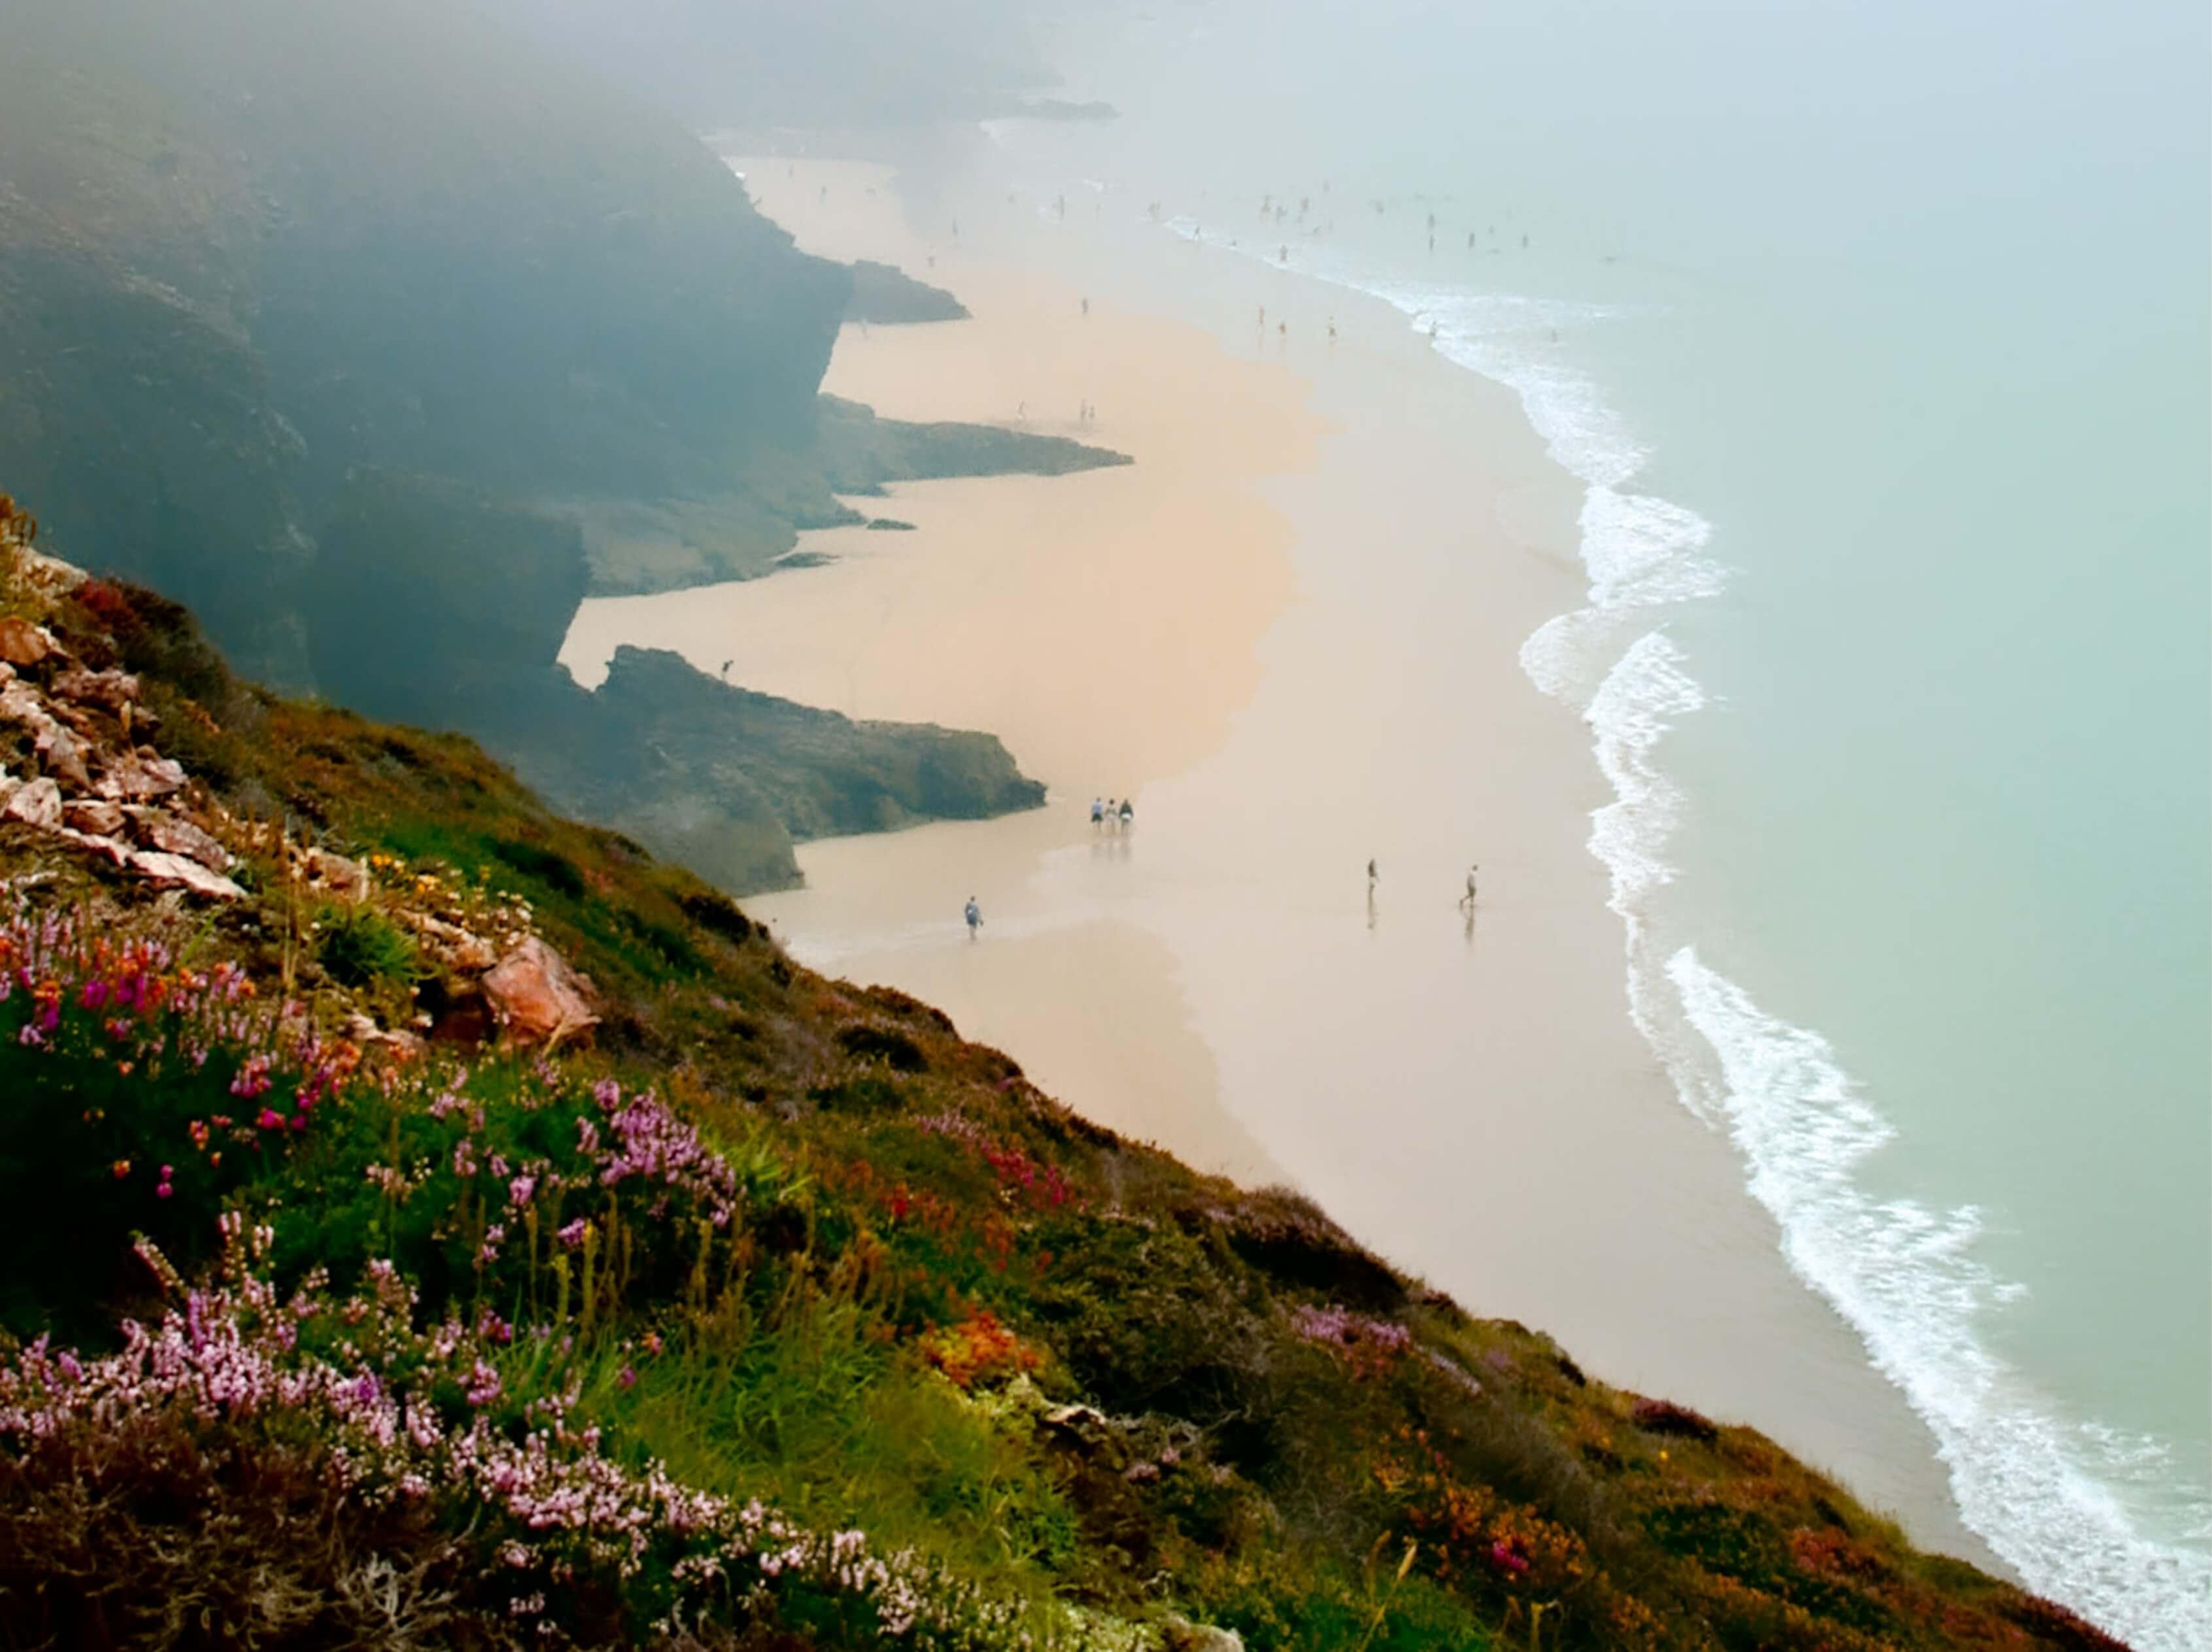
column 518, row 1249
column 413, row 336
column 319, row 236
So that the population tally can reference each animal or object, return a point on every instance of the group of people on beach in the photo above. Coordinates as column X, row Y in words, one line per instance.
column 1108, row 816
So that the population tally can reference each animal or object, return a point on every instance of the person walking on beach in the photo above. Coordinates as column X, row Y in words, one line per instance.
column 1097, row 812
column 974, row 916
column 1467, row 899
column 1127, row 814
column 1370, row 876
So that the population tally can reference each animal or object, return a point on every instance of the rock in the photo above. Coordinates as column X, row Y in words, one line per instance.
column 38, row 804
column 169, row 834
column 363, row 1031
column 112, row 688
column 1180, row 1635
column 23, row 643
column 93, row 816
column 347, row 879
column 175, row 871
column 112, row 849
column 58, row 749
column 62, row 754
column 130, row 778
column 458, row 948
column 1077, row 1419
column 536, row 997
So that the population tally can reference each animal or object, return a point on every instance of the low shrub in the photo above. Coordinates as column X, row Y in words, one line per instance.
column 359, row 947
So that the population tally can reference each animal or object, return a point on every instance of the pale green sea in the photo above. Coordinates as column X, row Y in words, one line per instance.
column 1881, row 332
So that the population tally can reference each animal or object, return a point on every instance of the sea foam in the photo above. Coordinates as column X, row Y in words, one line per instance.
column 2066, row 1504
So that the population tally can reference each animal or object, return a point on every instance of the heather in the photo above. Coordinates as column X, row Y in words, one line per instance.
column 689, row 1298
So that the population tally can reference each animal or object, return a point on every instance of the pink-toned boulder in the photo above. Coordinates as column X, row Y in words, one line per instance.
column 171, row 836
column 130, row 778
column 23, row 643
column 63, row 755
column 456, row 947
column 38, row 803
column 60, row 752
column 112, row 688
column 93, row 816
column 175, row 871
column 335, row 875
column 536, row 998
column 113, row 850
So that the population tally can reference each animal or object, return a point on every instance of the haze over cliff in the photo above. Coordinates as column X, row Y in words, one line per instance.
column 417, row 332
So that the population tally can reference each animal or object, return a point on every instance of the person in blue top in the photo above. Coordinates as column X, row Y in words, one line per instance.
column 975, row 915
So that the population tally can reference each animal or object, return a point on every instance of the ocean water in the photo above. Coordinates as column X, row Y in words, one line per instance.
column 1876, row 337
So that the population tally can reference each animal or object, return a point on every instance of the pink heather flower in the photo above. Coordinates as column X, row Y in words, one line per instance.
column 163, row 1191
column 483, row 1385
column 270, row 1119
column 607, row 1093
column 571, row 1234
column 627, row 1379
column 520, row 1189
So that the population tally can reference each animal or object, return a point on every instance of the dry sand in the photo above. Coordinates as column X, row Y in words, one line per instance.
column 1289, row 631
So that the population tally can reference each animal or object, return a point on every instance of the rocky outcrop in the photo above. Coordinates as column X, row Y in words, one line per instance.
column 887, row 296
column 102, row 792
column 823, row 774
column 536, row 998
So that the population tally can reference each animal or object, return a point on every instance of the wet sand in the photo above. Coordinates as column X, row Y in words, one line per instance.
column 1289, row 631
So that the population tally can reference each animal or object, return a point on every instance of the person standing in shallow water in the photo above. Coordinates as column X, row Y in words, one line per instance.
column 1467, row 899
column 1127, row 814
column 1097, row 812
column 1370, row 875
column 974, row 916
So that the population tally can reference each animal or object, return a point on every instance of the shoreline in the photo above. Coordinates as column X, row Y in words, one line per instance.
column 1672, row 1281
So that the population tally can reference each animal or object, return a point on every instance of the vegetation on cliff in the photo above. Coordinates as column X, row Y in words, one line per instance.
column 458, row 1229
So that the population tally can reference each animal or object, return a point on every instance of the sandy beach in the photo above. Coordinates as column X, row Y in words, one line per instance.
column 1289, row 631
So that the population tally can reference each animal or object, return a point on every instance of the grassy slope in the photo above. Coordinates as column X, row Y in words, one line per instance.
column 1079, row 1387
